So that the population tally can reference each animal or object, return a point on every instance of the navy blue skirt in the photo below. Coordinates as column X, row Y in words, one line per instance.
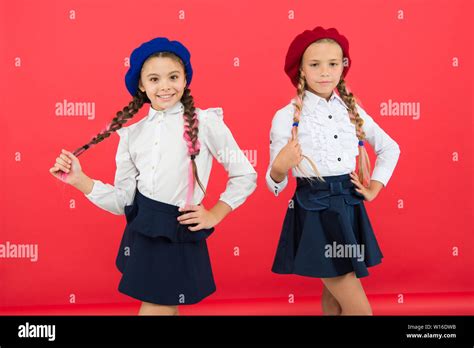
column 161, row 261
column 326, row 232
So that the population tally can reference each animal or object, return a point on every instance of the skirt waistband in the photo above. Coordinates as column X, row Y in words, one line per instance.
column 331, row 183
column 156, row 205
column 158, row 219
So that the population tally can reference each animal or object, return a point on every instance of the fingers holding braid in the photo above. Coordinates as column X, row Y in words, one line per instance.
column 68, row 163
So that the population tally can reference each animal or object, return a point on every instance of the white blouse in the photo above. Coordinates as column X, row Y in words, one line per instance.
column 152, row 155
column 328, row 137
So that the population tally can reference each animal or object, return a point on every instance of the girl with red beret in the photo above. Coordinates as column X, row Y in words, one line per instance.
column 163, row 166
column 326, row 232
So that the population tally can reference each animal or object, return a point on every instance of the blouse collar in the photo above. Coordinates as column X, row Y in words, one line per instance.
column 177, row 108
column 314, row 99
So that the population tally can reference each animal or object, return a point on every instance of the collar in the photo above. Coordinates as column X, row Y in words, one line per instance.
column 177, row 108
column 315, row 99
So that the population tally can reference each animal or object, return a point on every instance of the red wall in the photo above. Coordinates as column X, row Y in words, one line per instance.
column 421, row 55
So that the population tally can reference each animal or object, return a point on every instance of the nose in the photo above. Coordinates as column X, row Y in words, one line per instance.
column 163, row 86
column 324, row 71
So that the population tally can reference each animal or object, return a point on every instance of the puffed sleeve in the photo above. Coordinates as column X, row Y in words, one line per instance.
column 386, row 149
column 219, row 140
column 114, row 198
column 280, row 133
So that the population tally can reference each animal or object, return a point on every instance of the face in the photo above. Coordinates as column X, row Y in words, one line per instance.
column 163, row 80
column 322, row 67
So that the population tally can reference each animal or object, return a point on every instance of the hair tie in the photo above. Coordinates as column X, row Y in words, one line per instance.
column 295, row 124
column 193, row 157
column 361, row 143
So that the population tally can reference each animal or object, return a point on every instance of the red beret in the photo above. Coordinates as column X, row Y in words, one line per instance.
column 302, row 41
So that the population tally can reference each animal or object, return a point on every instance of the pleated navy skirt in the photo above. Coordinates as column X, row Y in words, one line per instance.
column 161, row 261
column 326, row 232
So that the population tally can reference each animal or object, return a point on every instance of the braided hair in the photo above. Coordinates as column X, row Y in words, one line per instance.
column 191, row 128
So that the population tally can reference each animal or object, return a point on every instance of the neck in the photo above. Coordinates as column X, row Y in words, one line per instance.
column 326, row 96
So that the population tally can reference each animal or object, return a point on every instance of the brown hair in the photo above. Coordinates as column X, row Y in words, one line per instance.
column 140, row 98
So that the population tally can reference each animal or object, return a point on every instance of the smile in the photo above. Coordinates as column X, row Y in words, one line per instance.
column 166, row 96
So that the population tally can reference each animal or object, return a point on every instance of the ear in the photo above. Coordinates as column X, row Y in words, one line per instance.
column 140, row 86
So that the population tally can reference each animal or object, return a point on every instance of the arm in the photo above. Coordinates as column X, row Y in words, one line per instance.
column 276, row 176
column 84, row 184
column 242, row 177
column 113, row 198
column 386, row 149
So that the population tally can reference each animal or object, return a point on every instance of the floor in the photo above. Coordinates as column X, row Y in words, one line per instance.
column 414, row 304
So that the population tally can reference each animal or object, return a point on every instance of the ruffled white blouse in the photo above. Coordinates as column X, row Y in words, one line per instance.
column 328, row 137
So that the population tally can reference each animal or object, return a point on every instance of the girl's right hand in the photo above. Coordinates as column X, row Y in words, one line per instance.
column 289, row 156
column 67, row 168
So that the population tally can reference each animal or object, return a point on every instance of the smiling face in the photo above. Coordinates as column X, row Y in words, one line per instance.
column 163, row 80
column 322, row 67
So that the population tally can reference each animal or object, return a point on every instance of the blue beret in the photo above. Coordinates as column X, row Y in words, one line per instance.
column 141, row 53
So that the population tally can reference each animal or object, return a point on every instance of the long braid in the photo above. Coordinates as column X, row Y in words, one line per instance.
column 117, row 122
column 364, row 161
column 300, row 90
column 191, row 130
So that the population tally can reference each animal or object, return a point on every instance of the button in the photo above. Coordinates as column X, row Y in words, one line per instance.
column 335, row 136
column 153, row 167
column 160, row 115
column 156, row 143
column 330, row 116
column 339, row 159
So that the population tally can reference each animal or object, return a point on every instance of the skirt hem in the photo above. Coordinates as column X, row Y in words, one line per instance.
column 326, row 275
column 143, row 298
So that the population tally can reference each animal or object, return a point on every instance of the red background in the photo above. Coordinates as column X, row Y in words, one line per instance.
column 405, row 60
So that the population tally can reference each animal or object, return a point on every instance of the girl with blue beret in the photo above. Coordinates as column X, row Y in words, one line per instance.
column 326, row 231
column 163, row 167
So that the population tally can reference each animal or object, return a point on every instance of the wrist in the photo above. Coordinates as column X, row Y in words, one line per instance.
column 78, row 180
column 375, row 186
column 219, row 211
column 277, row 173
column 83, row 183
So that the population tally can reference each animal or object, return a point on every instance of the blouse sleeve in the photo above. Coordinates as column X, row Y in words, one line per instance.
column 386, row 149
column 114, row 198
column 280, row 133
column 219, row 140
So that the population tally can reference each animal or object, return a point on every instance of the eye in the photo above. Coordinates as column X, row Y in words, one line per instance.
column 174, row 77
column 334, row 64
column 314, row 64
column 153, row 79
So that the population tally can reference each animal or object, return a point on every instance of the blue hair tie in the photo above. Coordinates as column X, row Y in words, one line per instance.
column 361, row 143
column 295, row 124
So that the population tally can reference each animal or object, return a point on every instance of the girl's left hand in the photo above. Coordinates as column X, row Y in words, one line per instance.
column 368, row 193
column 199, row 215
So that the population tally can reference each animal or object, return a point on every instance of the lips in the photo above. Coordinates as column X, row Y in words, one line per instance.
column 166, row 96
